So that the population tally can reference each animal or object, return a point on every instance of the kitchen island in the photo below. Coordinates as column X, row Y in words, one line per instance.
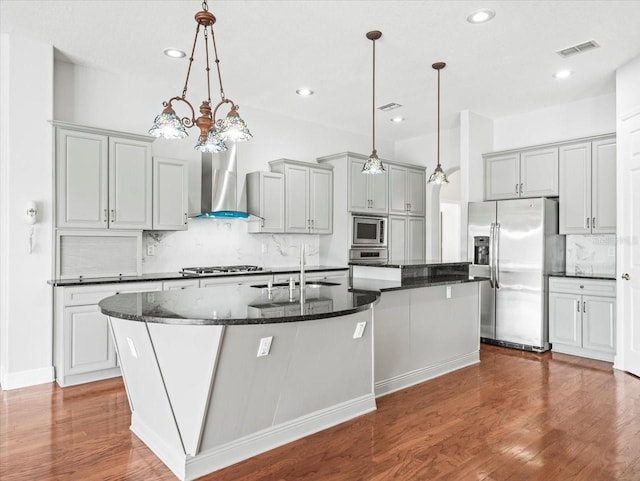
column 217, row 375
column 427, row 322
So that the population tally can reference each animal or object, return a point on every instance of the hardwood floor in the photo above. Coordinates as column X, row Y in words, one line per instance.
column 515, row 416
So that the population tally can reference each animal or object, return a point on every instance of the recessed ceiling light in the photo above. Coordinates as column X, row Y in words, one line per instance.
column 481, row 16
column 397, row 120
column 174, row 53
column 563, row 74
column 304, row 92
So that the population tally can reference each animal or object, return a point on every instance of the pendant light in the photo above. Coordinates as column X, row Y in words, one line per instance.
column 213, row 133
column 373, row 165
column 438, row 177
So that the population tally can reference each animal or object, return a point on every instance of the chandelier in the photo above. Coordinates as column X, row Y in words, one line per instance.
column 213, row 133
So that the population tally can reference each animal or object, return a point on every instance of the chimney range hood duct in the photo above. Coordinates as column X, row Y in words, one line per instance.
column 219, row 184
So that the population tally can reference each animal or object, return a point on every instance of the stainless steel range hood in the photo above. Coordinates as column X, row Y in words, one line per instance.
column 219, row 186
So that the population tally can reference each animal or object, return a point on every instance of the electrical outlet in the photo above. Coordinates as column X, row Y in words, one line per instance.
column 151, row 250
column 357, row 334
column 265, row 248
column 448, row 292
column 265, row 346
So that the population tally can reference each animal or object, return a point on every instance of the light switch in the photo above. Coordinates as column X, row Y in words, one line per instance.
column 448, row 292
column 357, row 334
column 265, row 346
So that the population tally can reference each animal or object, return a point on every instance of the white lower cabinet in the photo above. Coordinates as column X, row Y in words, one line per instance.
column 582, row 317
column 83, row 347
column 180, row 284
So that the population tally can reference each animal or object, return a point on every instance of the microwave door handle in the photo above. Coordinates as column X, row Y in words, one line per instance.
column 491, row 234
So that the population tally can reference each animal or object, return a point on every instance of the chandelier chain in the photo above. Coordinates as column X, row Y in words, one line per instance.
column 206, row 48
column 217, row 61
column 193, row 49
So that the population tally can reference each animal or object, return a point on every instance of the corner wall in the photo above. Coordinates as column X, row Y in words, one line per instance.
column 26, row 99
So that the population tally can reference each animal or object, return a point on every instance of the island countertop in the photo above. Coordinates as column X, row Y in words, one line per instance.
column 237, row 305
column 408, row 263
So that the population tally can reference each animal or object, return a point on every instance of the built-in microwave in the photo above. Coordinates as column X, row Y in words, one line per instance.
column 369, row 231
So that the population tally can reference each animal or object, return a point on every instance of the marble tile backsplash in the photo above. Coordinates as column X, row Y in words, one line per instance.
column 591, row 255
column 213, row 242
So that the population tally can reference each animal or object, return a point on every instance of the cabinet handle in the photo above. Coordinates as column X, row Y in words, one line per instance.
column 520, row 189
column 626, row 276
column 593, row 222
column 185, row 218
column 409, row 206
column 516, row 188
column 587, row 222
column 113, row 215
column 584, row 306
column 105, row 216
column 577, row 306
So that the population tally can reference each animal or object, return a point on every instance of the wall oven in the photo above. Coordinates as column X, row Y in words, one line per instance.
column 368, row 231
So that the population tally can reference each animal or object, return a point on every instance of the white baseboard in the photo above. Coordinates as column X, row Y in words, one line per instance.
column 187, row 468
column 581, row 352
column 402, row 381
column 33, row 377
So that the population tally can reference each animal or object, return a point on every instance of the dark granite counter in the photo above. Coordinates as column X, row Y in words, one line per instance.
column 237, row 305
column 380, row 285
column 412, row 264
column 167, row 276
column 581, row 276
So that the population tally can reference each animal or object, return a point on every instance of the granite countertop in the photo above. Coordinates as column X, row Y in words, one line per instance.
column 582, row 276
column 410, row 263
column 367, row 285
column 237, row 305
column 167, row 276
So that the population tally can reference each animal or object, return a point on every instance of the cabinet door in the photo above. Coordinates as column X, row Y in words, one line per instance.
column 565, row 319
column 180, row 284
column 272, row 202
column 82, row 179
column 603, row 186
column 87, row 341
column 297, row 199
column 358, row 187
column 378, row 193
column 502, row 177
column 170, row 195
column 598, row 323
column 397, row 189
column 130, row 184
column 539, row 173
column 416, row 239
column 321, row 201
column 416, row 186
column 397, row 239
column 575, row 188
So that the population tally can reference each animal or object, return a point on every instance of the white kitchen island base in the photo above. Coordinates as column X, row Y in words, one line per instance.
column 201, row 399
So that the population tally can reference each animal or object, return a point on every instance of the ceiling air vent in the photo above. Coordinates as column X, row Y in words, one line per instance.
column 389, row 106
column 580, row 48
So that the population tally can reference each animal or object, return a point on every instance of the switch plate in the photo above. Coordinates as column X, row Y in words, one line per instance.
column 357, row 334
column 151, row 250
column 448, row 292
column 265, row 346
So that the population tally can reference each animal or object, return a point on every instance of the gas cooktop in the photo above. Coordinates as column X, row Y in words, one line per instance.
column 220, row 269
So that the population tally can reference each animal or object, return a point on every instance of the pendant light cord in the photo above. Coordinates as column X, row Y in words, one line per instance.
column 438, row 117
column 373, row 99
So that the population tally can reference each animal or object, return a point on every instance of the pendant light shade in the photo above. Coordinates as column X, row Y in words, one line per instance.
column 438, row 177
column 373, row 165
column 213, row 133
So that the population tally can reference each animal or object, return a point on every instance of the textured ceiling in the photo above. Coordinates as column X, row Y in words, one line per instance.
column 268, row 49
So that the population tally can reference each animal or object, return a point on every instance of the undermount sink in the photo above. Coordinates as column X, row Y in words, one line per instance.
column 307, row 284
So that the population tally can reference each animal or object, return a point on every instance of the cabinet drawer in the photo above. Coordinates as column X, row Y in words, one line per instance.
column 86, row 295
column 592, row 287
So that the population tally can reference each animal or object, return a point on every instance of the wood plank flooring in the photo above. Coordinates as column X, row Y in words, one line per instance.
column 515, row 416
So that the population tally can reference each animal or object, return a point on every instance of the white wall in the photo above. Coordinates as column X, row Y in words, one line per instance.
column 26, row 102
column 573, row 120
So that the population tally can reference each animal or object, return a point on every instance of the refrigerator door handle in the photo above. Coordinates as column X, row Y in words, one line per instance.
column 496, row 256
column 491, row 237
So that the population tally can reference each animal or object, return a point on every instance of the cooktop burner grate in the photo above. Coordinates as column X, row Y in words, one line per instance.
column 220, row 269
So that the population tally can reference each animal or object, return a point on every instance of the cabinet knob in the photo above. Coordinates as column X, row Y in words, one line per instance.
column 626, row 276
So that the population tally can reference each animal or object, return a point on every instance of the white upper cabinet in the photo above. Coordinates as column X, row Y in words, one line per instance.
column 308, row 194
column 170, row 194
column 103, row 181
column 265, row 199
column 530, row 173
column 406, row 239
column 367, row 193
column 406, row 190
column 588, row 187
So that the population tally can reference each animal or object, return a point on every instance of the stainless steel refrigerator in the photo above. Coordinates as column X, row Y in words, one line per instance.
column 515, row 243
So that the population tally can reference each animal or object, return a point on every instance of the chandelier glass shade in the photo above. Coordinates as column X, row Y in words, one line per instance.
column 373, row 165
column 438, row 177
column 213, row 133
